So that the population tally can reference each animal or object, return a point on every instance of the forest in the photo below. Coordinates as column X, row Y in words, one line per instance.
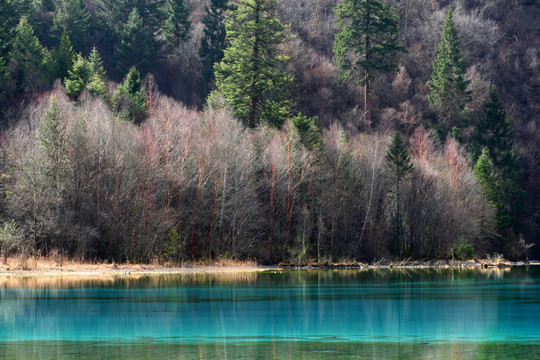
column 292, row 131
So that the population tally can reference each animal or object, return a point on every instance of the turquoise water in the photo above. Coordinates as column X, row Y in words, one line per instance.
column 290, row 315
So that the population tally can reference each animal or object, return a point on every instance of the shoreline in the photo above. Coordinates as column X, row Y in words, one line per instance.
column 47, row 268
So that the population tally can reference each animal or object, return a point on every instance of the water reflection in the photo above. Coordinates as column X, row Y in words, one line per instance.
column 317, row 314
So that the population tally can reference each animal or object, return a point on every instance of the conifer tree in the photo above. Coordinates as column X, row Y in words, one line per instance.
column 73, row 17
column 487, row 180
column 6, row 24
column 493, row 133
column 128, row 100
column 399, row 163
column 29, row 61
column 65, row 56
column 309, row 132
column 177, row 24
column 136, row 46
column 96, row 64
column 213, row 41
column 367, row 43
column 448, row 87
column 79, row 77
column 252, row 75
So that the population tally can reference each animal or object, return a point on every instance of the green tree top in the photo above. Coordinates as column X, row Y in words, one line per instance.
column 64, row 57
column 493, row 130
column 177, row 24
column 29, row 61
column 448, row 86
column 96, row 64
column 73, row 17
column 253, row 75
column 398, row 158
column 213, row 40
column 79, row 76
column 128, row 100
column 136, row 47
column 367, row 43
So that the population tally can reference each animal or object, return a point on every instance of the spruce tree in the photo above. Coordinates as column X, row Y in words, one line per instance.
column 399, row 163
column 96, row 64
column 213, row 41
column 128, row 100
column 73, row 17
column 136, row 46
column 29, row 61
column 79, row 77
column 484, row 171
column 65, row 56
column 252, row 75
column 177, row 24
column 367, row 43
column 493, row 133
column 448, row 87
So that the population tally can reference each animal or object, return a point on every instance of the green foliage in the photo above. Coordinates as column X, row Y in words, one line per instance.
column 177, row 24
column 398, row 158
column 213, row 40
column 309, row 132
column 136, row 45
column 367, row 42
column 96, row 64
column 399, row 163
column 65, row 56
column 129, row 101
column 463, row 250
column 448, row 88
column 252, row 75
column 174, row 248
column 488, row 181
column 79, row 77
column 73, row 17
column 29, row 61
column 493, row 133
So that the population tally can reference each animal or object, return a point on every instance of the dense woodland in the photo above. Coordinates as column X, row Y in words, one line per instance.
column 291, row 130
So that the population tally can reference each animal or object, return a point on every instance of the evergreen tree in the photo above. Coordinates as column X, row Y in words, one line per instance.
column 96, row 64
column 448, row 88
column 73, row 17
column 367, row 42
column 113, row 14
column 309, row 132
column 493, row 133
column 79, row 77
column 136, row 46
column 6, row 24
column 65, row 56
column 399, row 163
column 29, row 61
column 129, row 101
column 487, row 180
column 177, row 24
column 252, row 75
column 213, row 41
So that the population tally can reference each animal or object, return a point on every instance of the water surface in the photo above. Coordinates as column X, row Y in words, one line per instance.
column 286, row 315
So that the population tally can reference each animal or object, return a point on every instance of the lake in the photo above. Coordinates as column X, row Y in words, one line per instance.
column 346, row 314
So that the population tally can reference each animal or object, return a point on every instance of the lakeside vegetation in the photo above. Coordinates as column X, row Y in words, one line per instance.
column 169, row 131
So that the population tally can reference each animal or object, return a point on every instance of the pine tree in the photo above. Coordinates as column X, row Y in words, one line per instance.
column 29, row 61
column 128, row 100
column 252, row 75
column 367, row 43
column 79, row 77
column 136, row 46
column 6, row 24
column 65, row 56
column 177, row 24
column 399, row 163
column 309, row 132
column 493, row 133
column 213, row 41
column 448, row 88
column 73, row 17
